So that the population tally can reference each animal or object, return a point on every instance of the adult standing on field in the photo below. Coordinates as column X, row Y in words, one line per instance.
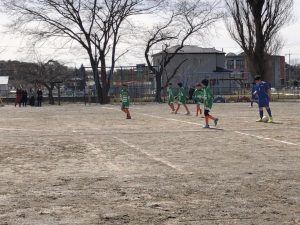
column 39, row 97
column 18, row 97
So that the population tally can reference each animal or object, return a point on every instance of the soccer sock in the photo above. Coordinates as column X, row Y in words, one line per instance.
column 211, row 117
column 269, row 112
column 198, row 110
column 261, row 113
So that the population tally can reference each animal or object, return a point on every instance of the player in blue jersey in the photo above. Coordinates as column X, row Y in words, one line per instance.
column 263, row 94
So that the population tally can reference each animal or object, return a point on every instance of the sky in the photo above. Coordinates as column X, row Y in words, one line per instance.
column 17, row 48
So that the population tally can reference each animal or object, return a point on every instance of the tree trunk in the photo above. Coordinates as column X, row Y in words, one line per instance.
column 104, row 80
column 50, row 96
column 158, row 88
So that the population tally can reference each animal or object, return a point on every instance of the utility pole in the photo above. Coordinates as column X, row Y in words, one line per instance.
column 289, row 65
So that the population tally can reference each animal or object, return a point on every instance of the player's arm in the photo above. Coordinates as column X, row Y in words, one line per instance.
column 269, row 93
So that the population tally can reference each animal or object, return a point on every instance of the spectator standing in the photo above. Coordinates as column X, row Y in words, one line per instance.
column 39, row 97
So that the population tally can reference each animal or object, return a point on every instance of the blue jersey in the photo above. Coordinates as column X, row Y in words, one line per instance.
column 261, row 91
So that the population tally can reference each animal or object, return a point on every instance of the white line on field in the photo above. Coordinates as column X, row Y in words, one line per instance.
column 148, row 154
column 171, row 119
column 20, row 129
column 265, row 138
column 241, row 133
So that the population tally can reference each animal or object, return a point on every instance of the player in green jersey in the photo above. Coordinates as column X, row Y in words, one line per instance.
column 170, row 96
column 207, row 97
column 124, row 95
column 196, row 97
column 182, row 99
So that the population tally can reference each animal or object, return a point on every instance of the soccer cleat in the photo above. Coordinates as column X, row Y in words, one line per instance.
column 270, row 120
column 188, row 113
column 216, row 121
column 128, row 117
column 259, row 120
column 206, row 126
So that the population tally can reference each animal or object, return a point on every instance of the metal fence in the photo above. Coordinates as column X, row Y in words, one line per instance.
column 142, row 86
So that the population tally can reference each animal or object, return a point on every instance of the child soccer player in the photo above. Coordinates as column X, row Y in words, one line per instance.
column 196, row 96
column 182, row 99
column 263, row 92
column 208, row 102
column 124, row 95
column 170, row 96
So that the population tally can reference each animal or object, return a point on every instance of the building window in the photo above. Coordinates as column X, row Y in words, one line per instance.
column 230, row 64
column 239, row 64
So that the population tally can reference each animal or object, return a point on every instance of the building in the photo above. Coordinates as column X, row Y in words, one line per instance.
column 276, row 68
column 4, row 89
column 199, row 63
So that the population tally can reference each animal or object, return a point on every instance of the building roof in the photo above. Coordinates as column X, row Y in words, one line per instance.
column 3, row 79
column 191, row 49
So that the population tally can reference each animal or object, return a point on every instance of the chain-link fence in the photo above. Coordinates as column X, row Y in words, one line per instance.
column 142, row 86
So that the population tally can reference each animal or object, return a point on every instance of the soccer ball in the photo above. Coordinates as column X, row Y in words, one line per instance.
column 265, row 119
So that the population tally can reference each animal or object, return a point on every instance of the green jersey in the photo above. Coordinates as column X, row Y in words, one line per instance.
column 181, row 96
column 124, row 95
column 207, row 97
column 197, row 95
column 170, row 95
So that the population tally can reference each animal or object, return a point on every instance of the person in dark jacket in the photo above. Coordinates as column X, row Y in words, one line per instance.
column 18, row 97
column 31, row 97
column 39, row 97
column 24, row 98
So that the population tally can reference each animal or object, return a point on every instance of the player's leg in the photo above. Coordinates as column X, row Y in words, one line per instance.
column 269, row 112
column 206, row 118
column 198, row 109
column 187, row 109
column 261, row 113
column 171, row 105
column 178, row 106
column 214, row 119
column 128, row 116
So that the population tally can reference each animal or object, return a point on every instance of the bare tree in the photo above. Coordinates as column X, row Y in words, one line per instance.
column 48, row 74
column 188, row 18
column 254, row 25
column 94, row 24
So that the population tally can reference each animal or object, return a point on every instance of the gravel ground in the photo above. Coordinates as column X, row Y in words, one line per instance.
column 76, row 164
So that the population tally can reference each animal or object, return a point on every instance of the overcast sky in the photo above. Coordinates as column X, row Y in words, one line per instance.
column 15, row 48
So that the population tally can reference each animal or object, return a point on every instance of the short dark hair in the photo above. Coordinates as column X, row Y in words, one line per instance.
column 205, row 82
column 125, row 85
column 169, row 83
column 180, row 84
column 257, row 77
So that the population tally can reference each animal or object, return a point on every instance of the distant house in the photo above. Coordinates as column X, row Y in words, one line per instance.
column 276, row 68
column 4, row 89
column 199, row 63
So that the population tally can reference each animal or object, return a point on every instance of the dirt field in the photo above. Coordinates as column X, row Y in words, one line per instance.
column 76, row 164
